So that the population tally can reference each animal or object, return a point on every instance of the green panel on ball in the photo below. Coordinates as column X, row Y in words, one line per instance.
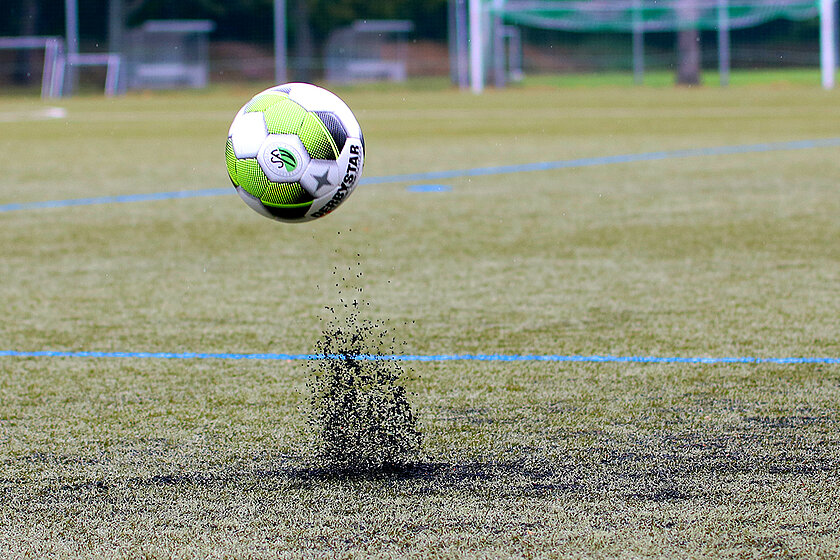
column 264, row 100
column 284, row 117
column 230, row 158
column 285, row 194
column 251, row 177
column 316, row 138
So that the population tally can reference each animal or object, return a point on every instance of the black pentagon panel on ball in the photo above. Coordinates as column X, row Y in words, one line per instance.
column 334, row 127
column 291, row 212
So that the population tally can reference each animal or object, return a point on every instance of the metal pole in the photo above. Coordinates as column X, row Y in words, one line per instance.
column 724, row 50
column 828, row 44
column 71, row 22
column 116, row 39
column 463, row 39
column 459, row 43
column 280, row 73
column 638, row 44
column 116, row 24
column 452, row 40
column 476, row 47
column 499, row 78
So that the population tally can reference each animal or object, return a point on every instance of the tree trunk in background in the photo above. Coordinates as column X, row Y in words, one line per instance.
column 304, row 52
column 27, row 70
column 688, row 57
column 688, row 45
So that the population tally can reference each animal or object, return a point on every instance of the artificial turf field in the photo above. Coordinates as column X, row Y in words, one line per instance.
column 683, row 256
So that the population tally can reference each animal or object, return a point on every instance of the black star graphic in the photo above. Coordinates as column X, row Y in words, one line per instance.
column 322, row 180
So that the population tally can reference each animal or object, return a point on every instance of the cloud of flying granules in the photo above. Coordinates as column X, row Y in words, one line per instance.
column 359, row 408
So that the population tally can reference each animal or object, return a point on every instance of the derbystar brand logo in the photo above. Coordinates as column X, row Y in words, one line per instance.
column 349, row 180
column 284, row 158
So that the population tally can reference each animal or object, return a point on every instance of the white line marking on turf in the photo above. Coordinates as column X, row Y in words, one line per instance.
column 47, row 113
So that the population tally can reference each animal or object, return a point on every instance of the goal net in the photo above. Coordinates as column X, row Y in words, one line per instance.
column 650, row 15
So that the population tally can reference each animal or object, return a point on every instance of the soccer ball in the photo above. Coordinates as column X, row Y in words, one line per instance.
column 295, row 152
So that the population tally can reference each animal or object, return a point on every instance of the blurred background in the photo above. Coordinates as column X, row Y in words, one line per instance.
column 62, row 46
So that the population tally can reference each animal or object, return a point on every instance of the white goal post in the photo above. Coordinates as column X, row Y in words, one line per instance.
column 828, row 43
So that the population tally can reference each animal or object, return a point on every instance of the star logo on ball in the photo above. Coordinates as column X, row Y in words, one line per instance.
column 323, row 180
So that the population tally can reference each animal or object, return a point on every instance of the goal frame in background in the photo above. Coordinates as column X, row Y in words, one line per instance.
column 486, row 17
column 113, row 68
column 57, row 62
column 52, row 75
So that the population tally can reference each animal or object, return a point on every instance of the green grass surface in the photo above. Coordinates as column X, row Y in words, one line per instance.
column 776, row 78
column 705, row 256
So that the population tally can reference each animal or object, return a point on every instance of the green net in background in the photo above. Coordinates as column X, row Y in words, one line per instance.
column 650, row 15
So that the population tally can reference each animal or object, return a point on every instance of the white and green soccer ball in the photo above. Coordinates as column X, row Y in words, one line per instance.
column 295, row 152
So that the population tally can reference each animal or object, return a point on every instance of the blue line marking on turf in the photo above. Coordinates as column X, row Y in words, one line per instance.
column 607, row 160
column 420, row 357
column 428, row 188
column 113, row 199
column 456, row 173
